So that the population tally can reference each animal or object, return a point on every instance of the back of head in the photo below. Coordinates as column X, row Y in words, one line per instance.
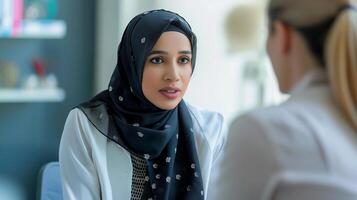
column 330, row 30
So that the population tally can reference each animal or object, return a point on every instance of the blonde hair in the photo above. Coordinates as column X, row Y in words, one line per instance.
column 340, row 47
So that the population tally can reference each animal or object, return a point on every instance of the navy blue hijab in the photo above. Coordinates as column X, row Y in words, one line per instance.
column 124, row 115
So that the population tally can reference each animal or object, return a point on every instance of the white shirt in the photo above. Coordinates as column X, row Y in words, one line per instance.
column 308, row 133
column 94, row 168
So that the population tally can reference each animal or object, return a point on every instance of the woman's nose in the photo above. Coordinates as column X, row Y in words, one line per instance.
column 172, row 72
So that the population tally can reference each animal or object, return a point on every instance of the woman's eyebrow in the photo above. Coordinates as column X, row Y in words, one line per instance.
column 158, row 52
column 165, row 52
column 185, row 52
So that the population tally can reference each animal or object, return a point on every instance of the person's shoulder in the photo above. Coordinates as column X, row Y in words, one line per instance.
column 264, row 118
column 76, row 115
column 77, row 121
column 293, row 110
column 209, row 125
column 278, row 125
column 205, row 117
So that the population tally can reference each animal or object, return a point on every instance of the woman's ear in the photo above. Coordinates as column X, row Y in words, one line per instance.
column 283, row 33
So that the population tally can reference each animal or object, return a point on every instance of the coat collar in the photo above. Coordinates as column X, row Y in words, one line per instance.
column 312, row 78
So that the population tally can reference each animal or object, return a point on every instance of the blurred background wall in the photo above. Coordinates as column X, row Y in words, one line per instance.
column 232, row 76
column 30, row 131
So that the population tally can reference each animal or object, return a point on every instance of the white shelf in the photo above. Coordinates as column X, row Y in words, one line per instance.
column 39, row 29
column 35, row 95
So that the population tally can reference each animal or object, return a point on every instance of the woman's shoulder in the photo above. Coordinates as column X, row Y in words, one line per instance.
column 283, row 128
column 77, row 115
column 79, row 118
column 77, row 124
column 205, row 118
column 287, row 115
column 209, row 125
column 283, row 119
column 277, row 127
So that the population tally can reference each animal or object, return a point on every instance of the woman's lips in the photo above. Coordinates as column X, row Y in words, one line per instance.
column 170, row 93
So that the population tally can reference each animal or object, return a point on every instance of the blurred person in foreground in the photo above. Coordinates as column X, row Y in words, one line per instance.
column 312, row 45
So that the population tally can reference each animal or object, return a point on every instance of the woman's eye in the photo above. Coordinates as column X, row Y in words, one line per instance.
column 184, row 60
column 156, row 60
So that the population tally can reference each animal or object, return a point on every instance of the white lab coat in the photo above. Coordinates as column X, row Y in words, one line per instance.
column 306, row 134
column 94, row 168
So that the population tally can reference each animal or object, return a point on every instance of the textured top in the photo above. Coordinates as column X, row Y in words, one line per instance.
column 139, row 173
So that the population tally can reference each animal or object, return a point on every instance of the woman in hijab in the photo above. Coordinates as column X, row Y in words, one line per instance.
column 309, row 141
column 139, row 139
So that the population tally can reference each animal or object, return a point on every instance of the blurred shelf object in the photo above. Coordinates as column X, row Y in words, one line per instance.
column 33, row 95
column 39, row 29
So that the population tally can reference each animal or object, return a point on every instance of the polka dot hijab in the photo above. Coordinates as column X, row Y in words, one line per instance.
column 165, row 138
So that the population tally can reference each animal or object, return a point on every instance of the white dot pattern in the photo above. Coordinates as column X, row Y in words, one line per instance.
column 178, row 177
column 153, row 186
column 168, row 179
column 188, row 188
column 120, row 98
column 143, row 40
column 157, row 176
column 196, row 174
column 140, row 134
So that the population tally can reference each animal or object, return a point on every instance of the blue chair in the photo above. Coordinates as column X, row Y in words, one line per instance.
column 49, row 186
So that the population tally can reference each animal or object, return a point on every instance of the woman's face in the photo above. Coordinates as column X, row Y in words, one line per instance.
column 167, row 70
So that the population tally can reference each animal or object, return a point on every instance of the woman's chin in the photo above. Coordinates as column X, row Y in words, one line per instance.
column 168, row 105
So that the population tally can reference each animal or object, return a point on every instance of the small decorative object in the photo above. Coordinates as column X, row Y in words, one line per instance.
column 40, row 66
column 32, row 82
column 41, row 9
column 35, row 10
column 41, row 79
column 8, row 75
column 51, row 81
